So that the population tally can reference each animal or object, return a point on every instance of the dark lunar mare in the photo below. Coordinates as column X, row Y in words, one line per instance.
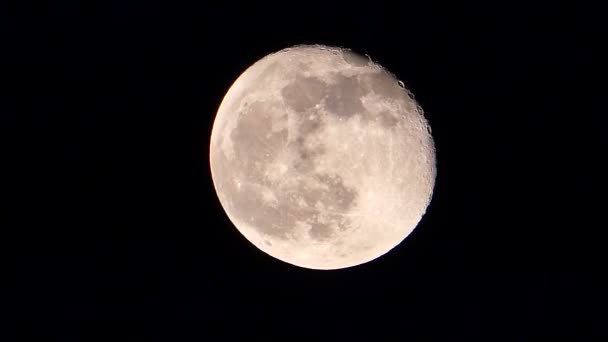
column 256, row 146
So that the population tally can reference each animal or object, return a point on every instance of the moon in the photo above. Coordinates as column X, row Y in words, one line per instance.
column 321, row 158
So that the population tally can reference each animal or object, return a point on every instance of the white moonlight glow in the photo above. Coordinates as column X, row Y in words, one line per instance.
column 321, row 158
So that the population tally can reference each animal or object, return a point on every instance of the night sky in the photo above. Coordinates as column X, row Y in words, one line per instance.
column 112, row 228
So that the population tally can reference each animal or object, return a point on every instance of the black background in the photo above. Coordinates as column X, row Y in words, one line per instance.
column 113, row 229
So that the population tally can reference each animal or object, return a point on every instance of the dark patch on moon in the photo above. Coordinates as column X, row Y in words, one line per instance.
column 387, row 119
column 344, row 97
column 305, row 163
column 303, row 93
column 338, row 196
column 355, row 59
column 253, row 140
column 308, row 125
column 320, row 231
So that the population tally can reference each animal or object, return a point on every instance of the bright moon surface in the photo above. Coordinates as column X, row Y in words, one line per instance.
column 321, row 158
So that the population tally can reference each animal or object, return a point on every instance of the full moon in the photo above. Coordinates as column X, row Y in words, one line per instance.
column 321, row 158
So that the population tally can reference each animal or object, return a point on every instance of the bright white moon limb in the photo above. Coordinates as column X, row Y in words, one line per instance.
column 321, row 158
